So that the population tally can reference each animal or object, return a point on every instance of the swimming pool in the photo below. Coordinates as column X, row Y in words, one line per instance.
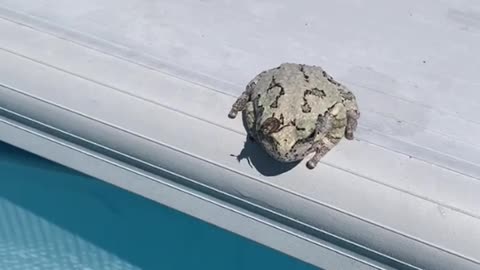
column 52, row 217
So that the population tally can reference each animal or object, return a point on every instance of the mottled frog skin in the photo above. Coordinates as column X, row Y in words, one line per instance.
column 294, row 110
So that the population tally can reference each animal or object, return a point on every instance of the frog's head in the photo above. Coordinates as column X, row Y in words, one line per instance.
column 279, row 140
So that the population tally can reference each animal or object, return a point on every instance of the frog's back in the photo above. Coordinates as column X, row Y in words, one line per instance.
column 295, row 93
column 307, row 87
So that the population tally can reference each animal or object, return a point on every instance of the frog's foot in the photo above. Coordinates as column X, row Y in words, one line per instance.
column 320, row 151
column 239, row 105
column 321, row 148
column 352, row 121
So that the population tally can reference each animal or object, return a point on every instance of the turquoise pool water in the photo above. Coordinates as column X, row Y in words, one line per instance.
column 52, row 218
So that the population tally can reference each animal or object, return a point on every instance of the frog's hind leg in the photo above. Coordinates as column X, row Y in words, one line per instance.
column 330, row 129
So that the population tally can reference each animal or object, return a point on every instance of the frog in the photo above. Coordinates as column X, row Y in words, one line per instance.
column 297, row 110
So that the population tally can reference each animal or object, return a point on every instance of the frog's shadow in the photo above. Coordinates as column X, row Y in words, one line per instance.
column 258, row 158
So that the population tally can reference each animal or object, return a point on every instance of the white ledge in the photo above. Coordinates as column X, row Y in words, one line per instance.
column 380, row 202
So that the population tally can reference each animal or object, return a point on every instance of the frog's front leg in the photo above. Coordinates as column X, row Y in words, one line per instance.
column 241, row 103
column 320, row 150
column 353, row 114
column 352, row 122
column 330, row 130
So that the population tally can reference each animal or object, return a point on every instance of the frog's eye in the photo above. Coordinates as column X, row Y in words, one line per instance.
column 271, row 125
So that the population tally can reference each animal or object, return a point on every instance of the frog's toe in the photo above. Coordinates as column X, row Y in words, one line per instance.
column 311, row 164
column 349, row 135
column 233, row 113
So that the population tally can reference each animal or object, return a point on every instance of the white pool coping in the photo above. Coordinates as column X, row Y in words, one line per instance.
column 404, row 194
